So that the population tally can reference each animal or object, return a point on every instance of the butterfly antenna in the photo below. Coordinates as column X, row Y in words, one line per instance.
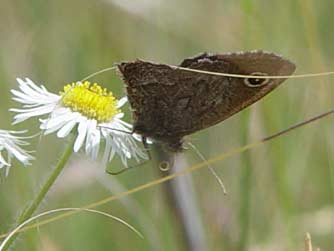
column 99, row 72
column 214, row 173
column 120, row 171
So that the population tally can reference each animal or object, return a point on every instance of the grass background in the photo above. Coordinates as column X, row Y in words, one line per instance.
column 276, row 192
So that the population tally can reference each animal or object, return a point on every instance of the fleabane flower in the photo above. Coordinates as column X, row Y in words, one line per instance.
column 93, row 112
column 10, row 146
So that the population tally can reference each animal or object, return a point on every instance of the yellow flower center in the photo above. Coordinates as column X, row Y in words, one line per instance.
column 91, row 100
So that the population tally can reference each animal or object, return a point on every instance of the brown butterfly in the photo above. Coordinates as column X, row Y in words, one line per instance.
column 170, row 103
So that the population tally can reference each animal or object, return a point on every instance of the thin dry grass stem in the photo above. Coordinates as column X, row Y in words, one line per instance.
column 190, row 169
column 16, row 230
column 306, row 75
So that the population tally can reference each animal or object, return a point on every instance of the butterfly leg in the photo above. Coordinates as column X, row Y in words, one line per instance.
column 147, row 150
column 120, row 171
column 126, row 168
column 146, row 147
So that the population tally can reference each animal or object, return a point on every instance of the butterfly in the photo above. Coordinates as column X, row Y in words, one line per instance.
column 169, row 103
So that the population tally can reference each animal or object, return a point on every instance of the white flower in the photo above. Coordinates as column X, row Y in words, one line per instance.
column 91, row 110
column 10, row 144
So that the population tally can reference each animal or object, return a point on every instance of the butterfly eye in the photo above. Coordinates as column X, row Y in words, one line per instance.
column 256, row 82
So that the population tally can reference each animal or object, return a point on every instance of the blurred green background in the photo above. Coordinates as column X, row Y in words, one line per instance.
column 276, row 192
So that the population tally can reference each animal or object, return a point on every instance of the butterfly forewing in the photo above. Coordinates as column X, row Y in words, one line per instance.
column 170, row 103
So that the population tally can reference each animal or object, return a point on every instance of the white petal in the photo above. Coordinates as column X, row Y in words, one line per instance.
column 122, row 101
column 108, row 150
column 36, row 94
column 82, row 131
column 3, row 162
column 91, row 127
column 10, row 143
column 50, row 129
column 119, row 115
column 93, row 139
column 122, row 123
column 36, row 100
column 58, row 120
column 66, row 129
column 42, row 110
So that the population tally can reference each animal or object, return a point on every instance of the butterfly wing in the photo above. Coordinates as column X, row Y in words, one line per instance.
column 169, row 103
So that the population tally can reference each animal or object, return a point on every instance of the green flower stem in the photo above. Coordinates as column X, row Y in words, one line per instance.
column 27, row 213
